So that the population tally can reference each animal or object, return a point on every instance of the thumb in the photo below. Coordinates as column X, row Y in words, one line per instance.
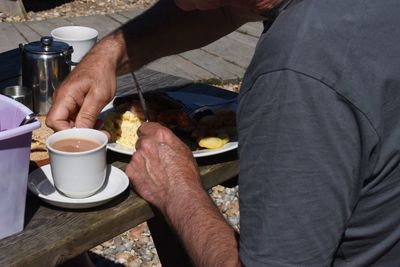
column 88, row 113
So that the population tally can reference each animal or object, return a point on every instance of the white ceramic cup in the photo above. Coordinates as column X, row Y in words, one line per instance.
column 81, row 38
column 78, row 174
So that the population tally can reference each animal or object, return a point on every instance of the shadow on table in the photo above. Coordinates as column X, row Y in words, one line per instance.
column 218, row 158
column 35, row 6
column 100, row 261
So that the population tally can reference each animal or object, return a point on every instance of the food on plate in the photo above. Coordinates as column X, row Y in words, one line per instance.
column 213, row 142
column 123, row 127
column 176, row 119
column 210, row 130
column 124, row 120
column 213, row 131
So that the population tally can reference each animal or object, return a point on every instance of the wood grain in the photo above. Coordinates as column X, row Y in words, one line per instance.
column 103, row 24
column 13, row 7
column 213, row 64
column 177, row 65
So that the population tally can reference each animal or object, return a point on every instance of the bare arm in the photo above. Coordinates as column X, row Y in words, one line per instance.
column 207, row 237
column 162, row 30
column 163, row 171
column 165, row 30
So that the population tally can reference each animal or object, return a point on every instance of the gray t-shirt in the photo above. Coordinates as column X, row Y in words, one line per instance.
column 319, row 138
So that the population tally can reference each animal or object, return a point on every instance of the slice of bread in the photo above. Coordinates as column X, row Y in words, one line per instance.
column 39, row 152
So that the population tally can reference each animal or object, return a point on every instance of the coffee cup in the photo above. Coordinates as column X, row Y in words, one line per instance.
column 78, row 161
column 81, row 38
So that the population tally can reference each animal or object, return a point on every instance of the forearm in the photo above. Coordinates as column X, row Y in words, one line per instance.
column 164, row 30
column 164, row 172
column 208, row 238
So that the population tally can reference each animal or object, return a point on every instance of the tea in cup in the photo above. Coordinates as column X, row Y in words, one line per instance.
column 78, row 161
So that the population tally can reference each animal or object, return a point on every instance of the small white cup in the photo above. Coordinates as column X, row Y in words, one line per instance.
column 81, row 38
column 78, row 174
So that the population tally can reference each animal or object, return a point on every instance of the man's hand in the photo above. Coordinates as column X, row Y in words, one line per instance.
column 161, row 166
column 83, row 94
column 164, row 172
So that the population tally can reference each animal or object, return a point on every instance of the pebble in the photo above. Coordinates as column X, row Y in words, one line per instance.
column 80, row 8
column 136, row 247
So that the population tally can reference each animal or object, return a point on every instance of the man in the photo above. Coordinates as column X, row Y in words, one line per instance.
column 318, row 122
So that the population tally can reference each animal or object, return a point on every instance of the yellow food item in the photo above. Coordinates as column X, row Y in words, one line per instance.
column 123, row 127
column 213, row 142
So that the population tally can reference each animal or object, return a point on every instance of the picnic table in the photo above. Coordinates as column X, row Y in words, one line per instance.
column 53, row 235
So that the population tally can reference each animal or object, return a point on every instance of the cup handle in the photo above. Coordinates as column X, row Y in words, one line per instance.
column 71, row 63
column 68, row 52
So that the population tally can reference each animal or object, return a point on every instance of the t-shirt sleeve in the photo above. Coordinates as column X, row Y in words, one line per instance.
column 300, row 155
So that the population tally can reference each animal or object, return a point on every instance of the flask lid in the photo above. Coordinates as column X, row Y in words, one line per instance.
column 47, row 46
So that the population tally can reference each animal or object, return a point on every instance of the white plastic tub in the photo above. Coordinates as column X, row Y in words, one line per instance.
column 15, row 145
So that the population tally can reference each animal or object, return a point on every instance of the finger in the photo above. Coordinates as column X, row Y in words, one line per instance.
column 91, row 108
column 152, row 129
column 149, row 148
column 146, row 127
column 136, row 171
column 59, row 115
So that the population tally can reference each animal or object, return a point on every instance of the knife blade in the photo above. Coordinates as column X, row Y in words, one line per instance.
column 141, row 98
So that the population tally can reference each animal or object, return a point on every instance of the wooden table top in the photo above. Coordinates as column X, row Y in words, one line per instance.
column 52, row 235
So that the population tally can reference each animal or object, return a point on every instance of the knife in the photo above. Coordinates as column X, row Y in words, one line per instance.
column 141, row 98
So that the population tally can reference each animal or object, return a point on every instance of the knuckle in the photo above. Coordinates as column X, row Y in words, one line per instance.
column 146, row 145
column 162, row 133
column 87, row 116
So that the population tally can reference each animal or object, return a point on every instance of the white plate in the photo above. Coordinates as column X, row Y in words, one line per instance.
column 188, row 98
column 209, row 152
column 40, row 183
column 120, row 149
column 197, row 153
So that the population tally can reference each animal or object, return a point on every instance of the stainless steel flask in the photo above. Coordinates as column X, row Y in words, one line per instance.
column 45, row 64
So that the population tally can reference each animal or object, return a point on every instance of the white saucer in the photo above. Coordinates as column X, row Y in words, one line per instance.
column 40, row 183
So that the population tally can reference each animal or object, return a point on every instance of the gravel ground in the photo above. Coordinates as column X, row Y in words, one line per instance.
column 74, row 9
column 134, row 247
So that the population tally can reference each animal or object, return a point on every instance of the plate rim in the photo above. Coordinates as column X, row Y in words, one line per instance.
column 196, row 153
